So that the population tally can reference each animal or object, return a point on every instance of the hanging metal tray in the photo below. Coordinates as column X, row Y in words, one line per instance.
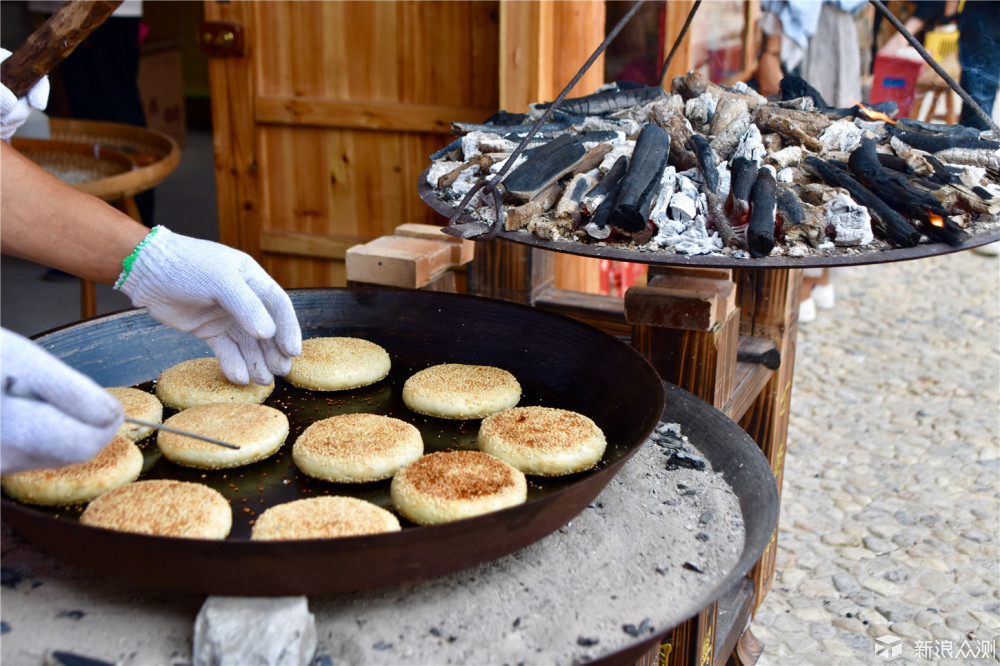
column 431, row 198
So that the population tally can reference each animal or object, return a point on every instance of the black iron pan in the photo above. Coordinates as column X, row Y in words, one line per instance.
column 559, row 362
column 431, row 198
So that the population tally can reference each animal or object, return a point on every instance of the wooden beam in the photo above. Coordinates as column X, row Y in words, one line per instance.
column 372, row 115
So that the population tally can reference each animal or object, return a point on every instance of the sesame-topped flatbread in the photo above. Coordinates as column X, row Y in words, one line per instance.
column 200, row 381
column 461, row 391
column 140, row 405
column 356, row 448
column 118, row 463
column 323, row 518
column 543, row 441
column 338, row 363
column 258, row 430
column 450, row 485
column 162, row 507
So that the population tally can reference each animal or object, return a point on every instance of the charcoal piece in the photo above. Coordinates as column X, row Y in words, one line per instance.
column 934, row 143
column 894, row 188
column 760, row 232
column 642, row 179
column 688, row 461
column 889, row 108
column 586, row 641
column 706, row 161
column 601, row 103
column 608, row 183
column 72, row 614
column 889, row 224
column 455, row 146
column 544, row 167
column 502, row 117
column 4, row 627
column 938, row 129
column 692, row 567
column 743, row 173
column 597, row 227
column 793, row 87
column 10, row 578
column 71, row 659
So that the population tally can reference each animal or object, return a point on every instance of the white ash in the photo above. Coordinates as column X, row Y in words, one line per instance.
column 623, row 148
column 852, row 223
column 699, row 110
column 842, row 135
column 752, row 146
column 466, row 180
column 668, row 185
column 438, row 169
column 649, row 552
column 875, row 127
column 786, row 175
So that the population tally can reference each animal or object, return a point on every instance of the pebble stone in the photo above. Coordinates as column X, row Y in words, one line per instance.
column 891, row 461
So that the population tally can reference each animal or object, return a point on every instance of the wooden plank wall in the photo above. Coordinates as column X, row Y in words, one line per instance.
column 327, row 121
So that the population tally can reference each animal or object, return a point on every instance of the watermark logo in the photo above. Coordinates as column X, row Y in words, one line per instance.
column 888, row 646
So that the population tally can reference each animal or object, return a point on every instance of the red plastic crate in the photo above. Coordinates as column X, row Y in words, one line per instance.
column 895, row 80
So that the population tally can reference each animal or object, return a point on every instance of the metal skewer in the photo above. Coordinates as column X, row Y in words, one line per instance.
column 160, row 426
column 9, row 388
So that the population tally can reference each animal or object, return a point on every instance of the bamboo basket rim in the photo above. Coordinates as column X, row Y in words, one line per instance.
column 111, row 161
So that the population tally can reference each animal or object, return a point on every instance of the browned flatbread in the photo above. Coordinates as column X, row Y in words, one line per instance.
column 357, row 448
column 460, row 391
column 140, row 405
column 200, row 381
column 338, row 363
column 323, row 518
column 543, row 441
column 258, row 430
column 445, row 486
column 119, row 462
column 162, row 507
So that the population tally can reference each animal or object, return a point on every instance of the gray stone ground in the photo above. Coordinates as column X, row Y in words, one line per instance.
column 889, row 524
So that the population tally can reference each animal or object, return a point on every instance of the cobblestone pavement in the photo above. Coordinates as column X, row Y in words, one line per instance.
column 889, row 523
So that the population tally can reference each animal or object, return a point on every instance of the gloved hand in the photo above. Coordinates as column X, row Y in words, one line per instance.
column 14, row 111
column 52, row 415
column 222, row 296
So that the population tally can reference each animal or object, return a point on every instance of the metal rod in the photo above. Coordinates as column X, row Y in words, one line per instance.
column 160, row 426
column 677, row 42
column 973, row 104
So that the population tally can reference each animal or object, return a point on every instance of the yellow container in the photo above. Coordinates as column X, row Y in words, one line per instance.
column 941, row 42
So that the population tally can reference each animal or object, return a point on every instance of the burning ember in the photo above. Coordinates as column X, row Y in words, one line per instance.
column 723, row 171
column 875, row 115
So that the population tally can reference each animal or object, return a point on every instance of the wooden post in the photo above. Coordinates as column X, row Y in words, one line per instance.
column 769, row 302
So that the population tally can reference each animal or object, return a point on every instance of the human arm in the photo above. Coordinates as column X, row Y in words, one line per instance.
column 49, row 222
column 215, row 292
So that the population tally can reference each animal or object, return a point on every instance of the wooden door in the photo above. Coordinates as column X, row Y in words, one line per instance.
column 324, row 122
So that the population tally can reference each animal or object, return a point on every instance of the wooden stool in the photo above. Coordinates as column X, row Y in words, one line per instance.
column 931, row 85
column 111, row 161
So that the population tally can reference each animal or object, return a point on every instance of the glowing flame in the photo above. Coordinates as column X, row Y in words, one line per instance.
column 936, row 220
column 875, row 115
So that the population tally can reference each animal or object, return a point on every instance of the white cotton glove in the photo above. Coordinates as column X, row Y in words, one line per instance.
column 222, row 296
column 50, row 414
column 14, row 111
